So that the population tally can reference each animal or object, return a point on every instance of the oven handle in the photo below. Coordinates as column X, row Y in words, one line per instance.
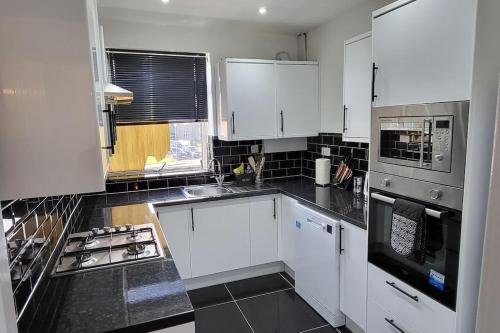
column 390, row 201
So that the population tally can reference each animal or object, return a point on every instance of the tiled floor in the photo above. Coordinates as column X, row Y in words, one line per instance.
column 259, row 305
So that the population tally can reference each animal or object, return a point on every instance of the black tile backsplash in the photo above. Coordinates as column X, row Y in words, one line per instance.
column 338, row 150
column 35, row 230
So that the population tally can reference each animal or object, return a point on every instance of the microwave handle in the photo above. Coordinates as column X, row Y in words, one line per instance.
column 390, row 201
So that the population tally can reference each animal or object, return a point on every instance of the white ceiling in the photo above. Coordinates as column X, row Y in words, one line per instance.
column 290, row 15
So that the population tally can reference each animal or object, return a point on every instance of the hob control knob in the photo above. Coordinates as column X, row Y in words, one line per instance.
column 439, row 157
column 385, row 182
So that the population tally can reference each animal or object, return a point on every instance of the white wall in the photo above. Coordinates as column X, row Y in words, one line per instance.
column 218, row 38
column 326, row 44
column 483, row 105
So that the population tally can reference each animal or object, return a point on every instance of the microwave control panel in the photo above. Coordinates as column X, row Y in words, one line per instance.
column 442, row 137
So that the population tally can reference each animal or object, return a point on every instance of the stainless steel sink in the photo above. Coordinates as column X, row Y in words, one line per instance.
column 205, row 191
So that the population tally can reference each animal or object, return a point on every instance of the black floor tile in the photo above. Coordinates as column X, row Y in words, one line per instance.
column 209, row 296
column 288, row 278
column 280, row 312
column 344, row 329
column 257, row 286
column 224, row 318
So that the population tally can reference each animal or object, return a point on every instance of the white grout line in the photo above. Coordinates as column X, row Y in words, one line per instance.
column 259, row 295
column 315, row 328
column 210, row 306
column 248, row 323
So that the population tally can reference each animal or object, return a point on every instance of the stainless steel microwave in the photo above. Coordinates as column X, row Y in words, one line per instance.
column 422, row 141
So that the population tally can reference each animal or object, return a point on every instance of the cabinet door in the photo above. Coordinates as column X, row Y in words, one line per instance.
column 423, row 50
column 263, row 230
column 251, row 96
column 298, row 100
column 220, row 237
column 176, row 223
column 357, row 88
column 353, row 273
column 286, row 244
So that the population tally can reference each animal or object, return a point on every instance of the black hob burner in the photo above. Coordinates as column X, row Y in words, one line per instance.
column 106, row 247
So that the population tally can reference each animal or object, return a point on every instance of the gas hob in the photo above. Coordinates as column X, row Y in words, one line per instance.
column 110, row 246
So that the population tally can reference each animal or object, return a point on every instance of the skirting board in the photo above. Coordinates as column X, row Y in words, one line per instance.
column 238, row 274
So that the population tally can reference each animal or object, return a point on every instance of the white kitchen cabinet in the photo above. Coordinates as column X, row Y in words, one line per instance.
column 267, row 99
column 176, row 225
column 286, row 245
column 353, row 272
column 220, row 238
column 423, row 51
column 357, row 88
column 249, row 100
column 49, row 134
column 264, row 219
column 298, row 99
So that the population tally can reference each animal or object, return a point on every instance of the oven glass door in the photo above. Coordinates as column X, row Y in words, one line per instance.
column 436, row 274
column 406, row 141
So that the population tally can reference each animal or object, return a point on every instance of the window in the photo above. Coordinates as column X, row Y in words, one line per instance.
column 165, row 128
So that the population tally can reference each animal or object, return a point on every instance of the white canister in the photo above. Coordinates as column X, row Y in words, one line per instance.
column 323, row 166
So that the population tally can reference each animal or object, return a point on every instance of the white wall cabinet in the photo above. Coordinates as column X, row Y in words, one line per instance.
column 264, row 229
column 220, row 239
column 353, row 272
column 298, row 99
column 176, row 225
column 287, row 238
column 267, row 99
column 423, row 50
column 357, row 88
column 49, row 136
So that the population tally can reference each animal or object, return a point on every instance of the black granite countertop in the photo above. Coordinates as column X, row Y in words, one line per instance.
column 149, row 296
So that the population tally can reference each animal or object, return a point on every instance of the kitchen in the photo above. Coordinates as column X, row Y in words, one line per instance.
column 234, row 166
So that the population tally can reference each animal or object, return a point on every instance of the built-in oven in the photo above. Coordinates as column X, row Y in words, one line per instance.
column 432, row 269
column 423, row 141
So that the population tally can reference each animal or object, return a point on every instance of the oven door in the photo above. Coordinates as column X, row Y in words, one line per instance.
column 436, row 274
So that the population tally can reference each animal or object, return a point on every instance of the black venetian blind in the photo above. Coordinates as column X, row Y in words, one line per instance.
column 167, row 87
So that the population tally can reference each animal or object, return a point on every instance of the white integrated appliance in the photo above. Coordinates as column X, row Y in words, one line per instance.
column 317, row 273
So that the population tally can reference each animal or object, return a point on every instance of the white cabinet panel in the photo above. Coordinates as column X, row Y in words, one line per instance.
column 251, row 97
column 426, row 315
column 263, row 230
column 298, row 99
column 220, row 237
column 380, row 321
column 49, row 138
column 353, row 273
column 175, row 223
column 287, row 242
column 357, row 88
column 423, row 50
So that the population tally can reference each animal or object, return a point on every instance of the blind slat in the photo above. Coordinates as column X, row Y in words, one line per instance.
column 166, row 88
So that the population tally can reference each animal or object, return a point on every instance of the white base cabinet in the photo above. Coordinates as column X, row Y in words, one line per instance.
column 264, row 230
column 381, row 321
column 220, row 239
column 421, row 312
column 353, row 272
column 175, row 222
column 287, row 239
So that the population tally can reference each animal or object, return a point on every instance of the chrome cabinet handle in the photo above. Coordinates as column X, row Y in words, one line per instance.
column 393, row 324
column 282, row 121
column 374, row 70
column 274, row 208
column 344, row 127
column 340, row 240
column 392, row 284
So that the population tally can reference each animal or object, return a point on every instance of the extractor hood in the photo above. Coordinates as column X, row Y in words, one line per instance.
column 116, row 95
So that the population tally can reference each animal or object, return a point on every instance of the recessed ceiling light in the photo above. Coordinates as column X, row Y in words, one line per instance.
column 262, row 10
column 165, row 1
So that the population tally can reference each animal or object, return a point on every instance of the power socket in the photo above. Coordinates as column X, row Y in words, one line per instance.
column 326, row 151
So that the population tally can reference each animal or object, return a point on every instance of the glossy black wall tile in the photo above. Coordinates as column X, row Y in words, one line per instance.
column 35, row 229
